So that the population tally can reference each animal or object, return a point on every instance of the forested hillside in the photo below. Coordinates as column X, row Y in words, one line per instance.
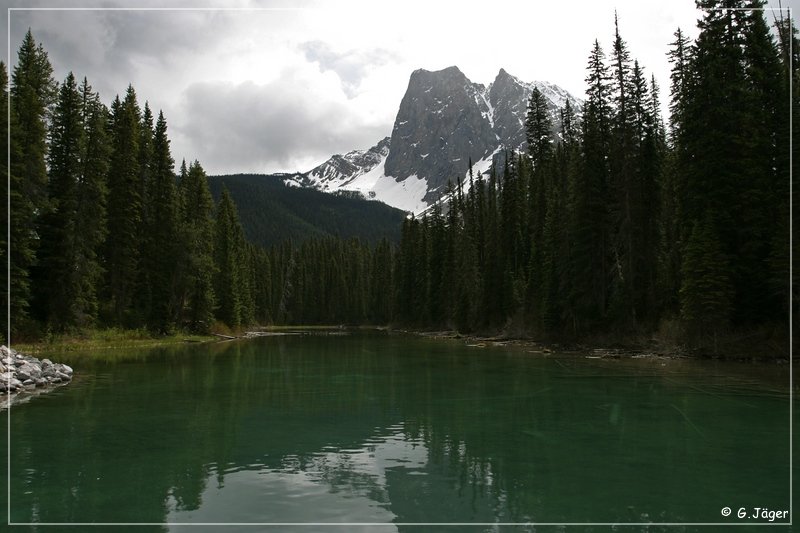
column 105, row 232
column 272, row 212
column 623, row 224
column 620, row 225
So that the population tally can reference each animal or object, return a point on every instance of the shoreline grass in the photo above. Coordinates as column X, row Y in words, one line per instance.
column 105, row 339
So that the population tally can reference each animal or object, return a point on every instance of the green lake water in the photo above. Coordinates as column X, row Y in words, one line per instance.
column 375, row 428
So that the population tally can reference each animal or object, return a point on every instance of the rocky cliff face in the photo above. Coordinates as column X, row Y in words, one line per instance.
column 341, row 170
column 444, row 120
column 509, row 100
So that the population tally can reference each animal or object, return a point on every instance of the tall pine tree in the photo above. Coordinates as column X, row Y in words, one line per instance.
column 57, row 284
column 123, row 244
column 197, row 250
column 32, row 93
column 161, row 239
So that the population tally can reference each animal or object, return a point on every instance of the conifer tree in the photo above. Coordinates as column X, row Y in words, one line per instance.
column 672, row 234
column 57, row 284
column 123, row 244
column 623, row 183
column 32, row 93
column 440, row 259
column 161, row 238
column 706, row 293
column 144, row 299
column 726, row 119
column 538, row 133
column 779, row 261
column 262, row 291
column 91, row 220
column 589, row 219
column 538, row 129
column 766, row 188
column 197, row 246
column 493, row 297
column 569, row 166
column 511, row 236
column 680, row 57
column 4, row 229
column 381, row 282
column 228, row 267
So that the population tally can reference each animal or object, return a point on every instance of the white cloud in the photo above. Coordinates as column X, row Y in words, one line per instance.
column 268, row 90
column 297, row 120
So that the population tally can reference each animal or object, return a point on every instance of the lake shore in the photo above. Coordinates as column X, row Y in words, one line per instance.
column 752, row 348
column 109, row 339
column 23, row 376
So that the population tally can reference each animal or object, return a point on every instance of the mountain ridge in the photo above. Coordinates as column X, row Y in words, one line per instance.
column 443, row 121
column 272, row 213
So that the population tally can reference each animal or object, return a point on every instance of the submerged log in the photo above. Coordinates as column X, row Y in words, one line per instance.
column 228, row 337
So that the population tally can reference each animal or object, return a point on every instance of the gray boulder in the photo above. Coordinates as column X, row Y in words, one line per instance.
column 18, row 371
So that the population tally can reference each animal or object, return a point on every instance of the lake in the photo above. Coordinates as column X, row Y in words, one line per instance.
column 371, row 427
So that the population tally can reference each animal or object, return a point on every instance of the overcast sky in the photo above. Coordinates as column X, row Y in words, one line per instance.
column 281, row 86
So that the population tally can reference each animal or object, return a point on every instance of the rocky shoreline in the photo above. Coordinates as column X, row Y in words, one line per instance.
column 24, row 373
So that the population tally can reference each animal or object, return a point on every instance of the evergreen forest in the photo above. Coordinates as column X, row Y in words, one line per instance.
column 620, row 224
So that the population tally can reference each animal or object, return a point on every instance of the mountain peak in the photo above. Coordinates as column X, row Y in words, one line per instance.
column 452, row 72
column 504, row 78
column 443, row 121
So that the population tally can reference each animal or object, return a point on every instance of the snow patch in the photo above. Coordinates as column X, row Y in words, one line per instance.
column 376, row 185
column 489, row 113
column 407, row 194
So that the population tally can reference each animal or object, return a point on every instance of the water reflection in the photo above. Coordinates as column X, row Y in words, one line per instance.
column 392, row 430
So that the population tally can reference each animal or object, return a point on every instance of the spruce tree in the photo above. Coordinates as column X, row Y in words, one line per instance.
column 538, row 132
column 4, row 230
column 227, row 259
column 381, row 282
column 763, row 235
column 672, row 230
column 197, row 247
column 570, row 167
column 123, row 246
column 161, row 238
column 32, row 93
column 538, row 129
column 785, row 289
column 727, row 119
column 7, row 180
column 706, row 293
column 624, row 187
column 589, row 225
column 57, row 284
column 92, row 190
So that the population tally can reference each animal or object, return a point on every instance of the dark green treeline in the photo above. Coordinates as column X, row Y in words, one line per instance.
column 621, row 224
column 618, row 224
column 105, row 233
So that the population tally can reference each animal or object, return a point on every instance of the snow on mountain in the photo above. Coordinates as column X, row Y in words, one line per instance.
column 443, row 121
column 340, row 171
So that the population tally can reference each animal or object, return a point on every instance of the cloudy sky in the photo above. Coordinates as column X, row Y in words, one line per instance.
column 282, row 85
